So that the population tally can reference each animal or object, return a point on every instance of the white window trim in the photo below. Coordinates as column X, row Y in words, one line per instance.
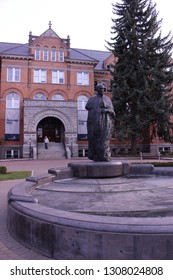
column 61, row 56
column 40, row 76
column 46, row 56
column 58, row 97
column 39, row 96
column 37, row 54
column 59, row 75
column 12, row 101
column 81, row 102
column 12, row 153
column 83, row 78
column 53, row 52
column 15, row 75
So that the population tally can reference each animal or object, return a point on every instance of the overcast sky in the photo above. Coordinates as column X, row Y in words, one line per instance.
column 88, row 22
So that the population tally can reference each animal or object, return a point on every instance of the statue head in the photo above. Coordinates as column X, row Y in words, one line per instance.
column 100, row 89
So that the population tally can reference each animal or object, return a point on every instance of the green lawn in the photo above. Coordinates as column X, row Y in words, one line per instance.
column 15, row 175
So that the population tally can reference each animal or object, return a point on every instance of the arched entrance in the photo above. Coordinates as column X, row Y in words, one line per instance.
column 51, row 127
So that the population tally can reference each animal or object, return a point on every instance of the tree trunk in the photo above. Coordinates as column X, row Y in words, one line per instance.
column 133, row 145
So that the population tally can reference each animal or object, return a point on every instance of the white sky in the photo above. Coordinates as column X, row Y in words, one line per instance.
column 88, row 22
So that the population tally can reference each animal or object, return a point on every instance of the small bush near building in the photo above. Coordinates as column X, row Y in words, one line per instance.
column 3, row 169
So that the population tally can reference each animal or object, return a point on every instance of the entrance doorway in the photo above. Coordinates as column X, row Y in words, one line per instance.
column 51, row 127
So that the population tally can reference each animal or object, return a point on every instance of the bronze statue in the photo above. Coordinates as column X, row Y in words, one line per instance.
column 99, row 125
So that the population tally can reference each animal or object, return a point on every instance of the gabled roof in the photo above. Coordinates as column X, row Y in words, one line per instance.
column 79, row 55
column 49, row 33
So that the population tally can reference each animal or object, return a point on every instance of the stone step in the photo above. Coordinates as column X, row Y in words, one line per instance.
column 54, row 151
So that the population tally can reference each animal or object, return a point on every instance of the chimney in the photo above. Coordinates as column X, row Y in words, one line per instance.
column 30, row 38
column 68, row 42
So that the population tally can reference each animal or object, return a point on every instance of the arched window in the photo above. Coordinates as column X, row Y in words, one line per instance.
column 53, row 54
column 81, row 102
column 45, row 53
column 13, row 101
column 58, row 96
column 12, row 117
column 61, row 55
column 39, row 96
column 82, row 117
column 37, row 53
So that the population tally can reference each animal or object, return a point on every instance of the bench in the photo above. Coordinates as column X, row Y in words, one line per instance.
column 150, row 155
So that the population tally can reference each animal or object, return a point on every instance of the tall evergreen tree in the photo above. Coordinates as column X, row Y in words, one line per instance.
column 142, row 74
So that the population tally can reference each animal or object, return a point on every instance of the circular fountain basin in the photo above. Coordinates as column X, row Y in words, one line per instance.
column 122, row 217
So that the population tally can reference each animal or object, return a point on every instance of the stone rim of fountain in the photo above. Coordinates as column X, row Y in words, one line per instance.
column 22, row 206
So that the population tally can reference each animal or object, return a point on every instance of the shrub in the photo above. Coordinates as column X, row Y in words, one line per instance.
column 157, row 164
column 162, row 164
column 3, row 169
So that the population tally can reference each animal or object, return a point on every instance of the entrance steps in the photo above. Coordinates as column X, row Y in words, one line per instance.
column 54, row 151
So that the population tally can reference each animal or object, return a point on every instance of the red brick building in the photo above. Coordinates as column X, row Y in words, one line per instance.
column 44, row 86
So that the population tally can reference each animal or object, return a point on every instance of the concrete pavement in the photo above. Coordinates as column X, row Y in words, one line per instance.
column 10, row 249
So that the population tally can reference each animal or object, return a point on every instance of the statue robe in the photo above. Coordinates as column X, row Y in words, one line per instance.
column 99, row 126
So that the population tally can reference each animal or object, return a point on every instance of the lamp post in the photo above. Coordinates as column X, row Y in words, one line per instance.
column 72, row 147
column 30, row 147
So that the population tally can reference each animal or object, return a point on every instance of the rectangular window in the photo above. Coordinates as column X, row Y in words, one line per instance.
column 12, row 154
column 53, row 55
column 37, row 54
column 57, row 77
column 83, row 78
column 45, row 55
column 13, row 74
column 61, row 56
column 39, row 76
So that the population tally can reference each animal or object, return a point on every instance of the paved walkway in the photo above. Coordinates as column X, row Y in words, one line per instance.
column 9, row 247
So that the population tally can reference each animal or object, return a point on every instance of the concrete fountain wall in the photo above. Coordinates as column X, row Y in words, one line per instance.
column 66, row 235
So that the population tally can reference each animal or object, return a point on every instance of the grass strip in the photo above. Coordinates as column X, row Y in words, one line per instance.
column 15, row 175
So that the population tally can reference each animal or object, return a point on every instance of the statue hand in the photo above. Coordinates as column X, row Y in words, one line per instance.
column 104, row 110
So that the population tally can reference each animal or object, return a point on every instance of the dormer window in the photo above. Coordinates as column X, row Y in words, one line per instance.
column 108, row 67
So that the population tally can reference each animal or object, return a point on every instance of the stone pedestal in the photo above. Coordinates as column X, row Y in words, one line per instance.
column 97, row 169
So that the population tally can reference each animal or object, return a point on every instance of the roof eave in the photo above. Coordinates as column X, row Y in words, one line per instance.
column 79, row 61
column 101, row 71
column 19, row 57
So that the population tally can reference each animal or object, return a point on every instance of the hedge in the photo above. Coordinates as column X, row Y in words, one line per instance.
column 3, row 169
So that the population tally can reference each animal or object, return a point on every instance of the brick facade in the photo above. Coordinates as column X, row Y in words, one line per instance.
column 48, row 87
column 44, row 79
